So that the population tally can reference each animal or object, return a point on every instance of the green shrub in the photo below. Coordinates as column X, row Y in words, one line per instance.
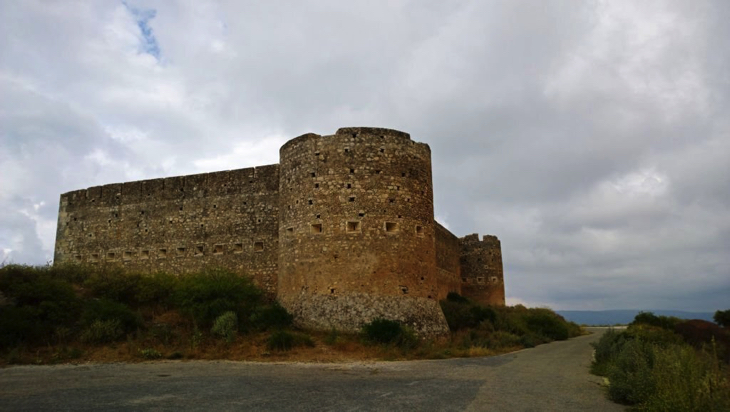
column 385, row 331
column 282, row 340
column 722, row 318
column 38, row 305
column 103, row 331
column 107, row 310
column 226, row 326
column 150, row 353
column 501, row 339
column 114, row 284
column 155, row 289
column 648, row 318
column 207, row 295
column 271, row 316
column 630, row 375
column 455, row 297
column 462, row 314
column 547, row 323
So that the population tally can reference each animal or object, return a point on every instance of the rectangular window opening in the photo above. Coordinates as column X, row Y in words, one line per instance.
column 77, row 258
column 316, row 228
column 258, row 246
column 94, row 257
column 353, row 226
column 419, row 231
column 145, row 254
column 162, row 253
column 128, row 255
column 391, row 227
column 480, row 280
column 218, row 249
column 290, row 231
column 238, row 248
column 181, row 251
column 199, row 250
column 111, row 255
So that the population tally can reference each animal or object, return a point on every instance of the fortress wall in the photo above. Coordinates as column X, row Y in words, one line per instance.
column 481, row 269
column 357, row 232
column 179, row 224
column 448, row 254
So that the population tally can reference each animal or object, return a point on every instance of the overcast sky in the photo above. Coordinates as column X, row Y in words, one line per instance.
column 593, row 138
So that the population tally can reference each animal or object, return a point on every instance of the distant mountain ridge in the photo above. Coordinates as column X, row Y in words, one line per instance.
column 624, row 316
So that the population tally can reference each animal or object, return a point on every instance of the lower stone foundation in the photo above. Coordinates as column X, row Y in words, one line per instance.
column 349, row 312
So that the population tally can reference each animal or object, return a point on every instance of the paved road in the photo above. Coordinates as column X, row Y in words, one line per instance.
column 550, row 377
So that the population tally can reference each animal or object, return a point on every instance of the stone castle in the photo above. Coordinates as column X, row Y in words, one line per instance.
column 341, row 231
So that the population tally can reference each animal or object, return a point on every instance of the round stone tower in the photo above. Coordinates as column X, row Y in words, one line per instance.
column 356, row 231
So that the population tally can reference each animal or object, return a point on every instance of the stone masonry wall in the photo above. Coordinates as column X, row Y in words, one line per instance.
column 481, row 269
column 178, row 224
column 448, row 265
column 357, row 227
column 342, row 231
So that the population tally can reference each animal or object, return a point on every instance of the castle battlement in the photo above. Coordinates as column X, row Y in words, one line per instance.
column 340, row 231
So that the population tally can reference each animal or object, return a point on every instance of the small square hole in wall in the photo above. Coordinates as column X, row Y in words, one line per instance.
column 218, row 249
column 318, row 216
column 377, row 172
column 238, row 248
column 347, row 150
column 316, row 185
column 352, row 171
column 181, row 251
column 77, row 258
column 391, row 227
column 353, row 226
column 290, row 231
column 94, row 257
column 419, row 231
column 493, row 279
column 199, row 250
column 111, row 255
column 382, row 150
column 258, row 246
column 352, row 198
column 128, row 255
column 316, row 228
column 480, row 280
column 349, row 185
column 145, row 254
column 404, row 289
column 162, row 253
column 463, row 280
column 311, row 202
column 391, row 200
column 403, row 174
column 313, row 174
column 361, row 214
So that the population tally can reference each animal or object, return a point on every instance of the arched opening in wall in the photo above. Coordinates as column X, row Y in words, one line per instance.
column 391, row 227
column 162, row 253
column 258, row 246
column 419, row 231
column 238, row 248
column 352, row 226
column 316, row 228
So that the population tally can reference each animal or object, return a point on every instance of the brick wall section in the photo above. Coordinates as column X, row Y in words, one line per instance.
column 178, row 224
column 357, row 231
column 448, row 265
column 481, row 269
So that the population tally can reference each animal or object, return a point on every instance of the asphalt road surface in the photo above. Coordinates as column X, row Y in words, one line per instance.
column 551, row 377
